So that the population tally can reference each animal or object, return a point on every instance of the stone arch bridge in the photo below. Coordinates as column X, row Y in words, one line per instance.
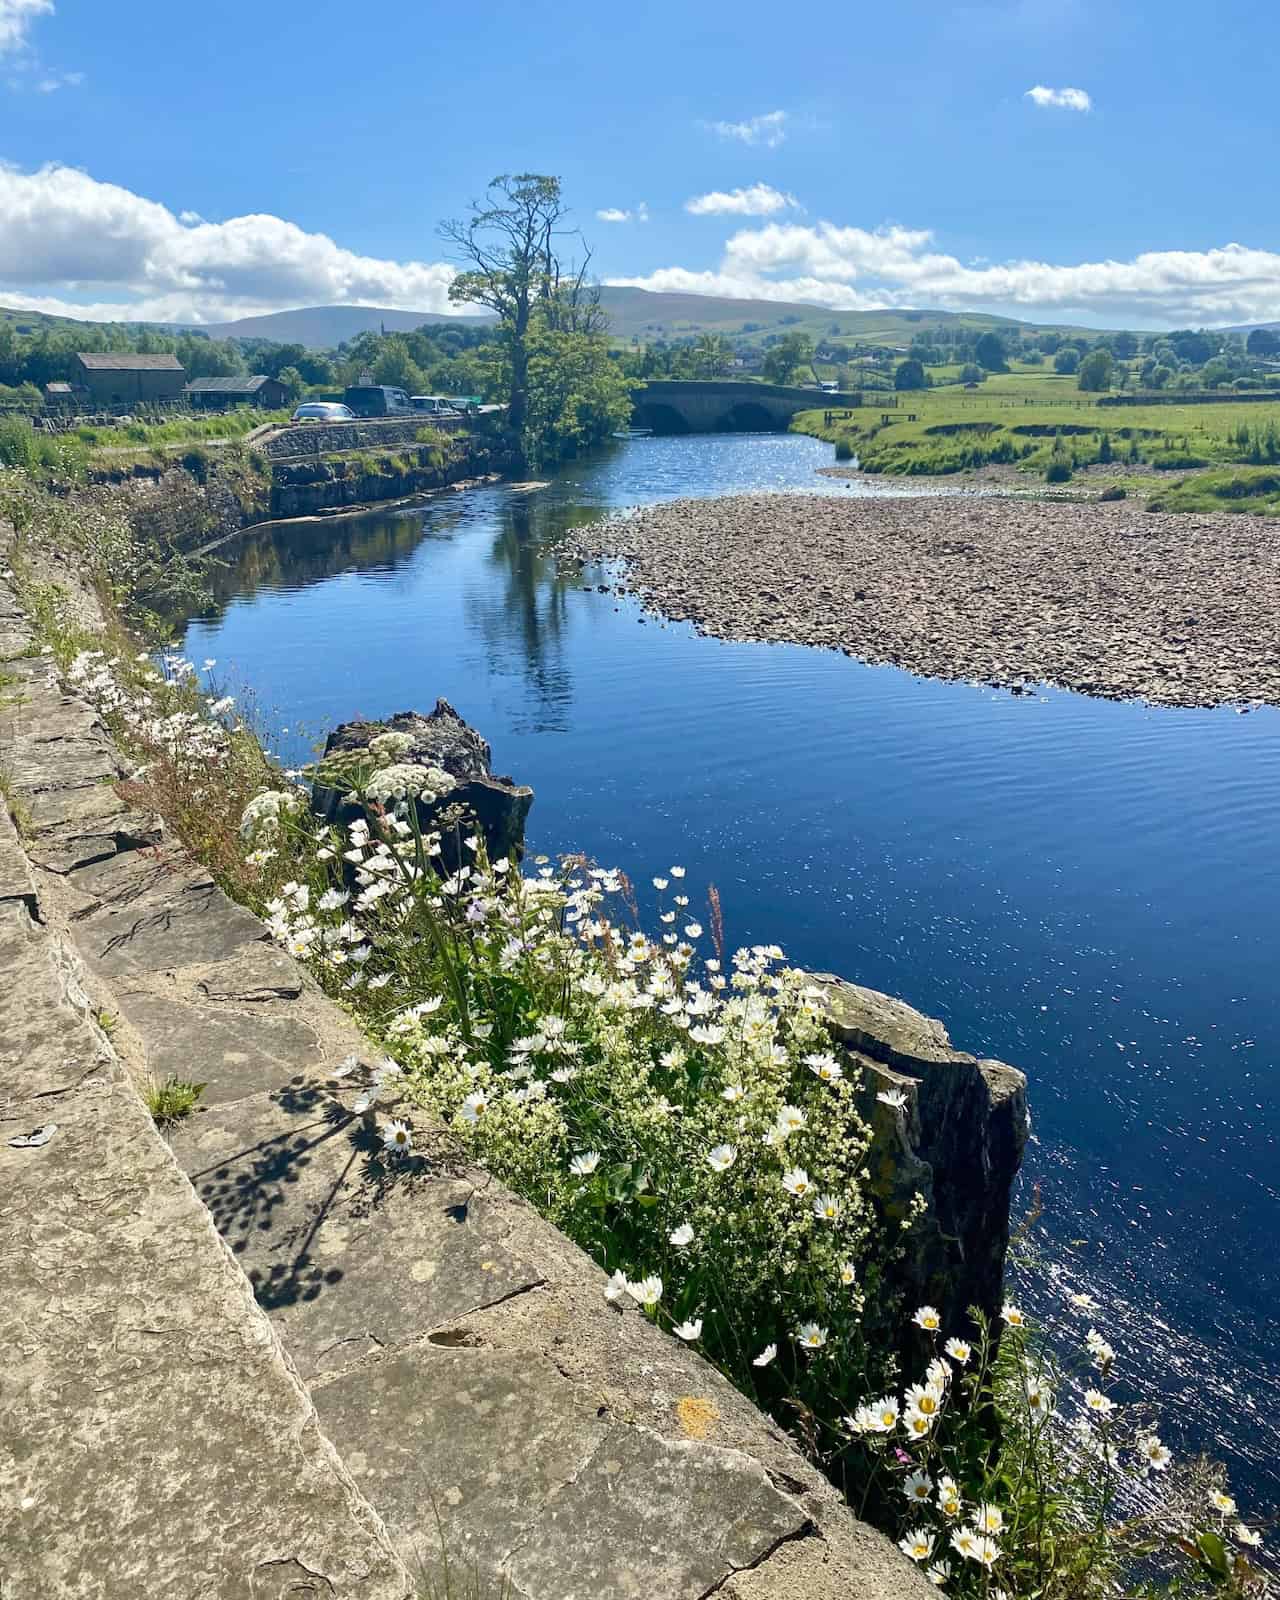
column 677, row 405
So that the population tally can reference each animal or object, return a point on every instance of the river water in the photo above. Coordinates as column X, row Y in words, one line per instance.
column 1085, row 889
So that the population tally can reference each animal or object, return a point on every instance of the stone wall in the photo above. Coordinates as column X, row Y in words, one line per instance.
column 318, row 439
column 423, row 1345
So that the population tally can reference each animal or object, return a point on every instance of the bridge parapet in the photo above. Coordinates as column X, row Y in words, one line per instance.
column 685, row 405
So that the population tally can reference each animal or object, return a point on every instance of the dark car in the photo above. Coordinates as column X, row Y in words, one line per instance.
column 378, row 400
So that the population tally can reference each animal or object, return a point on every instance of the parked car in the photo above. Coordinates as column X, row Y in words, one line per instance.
column 324, row 411
column 377, row 400
column 435, row 405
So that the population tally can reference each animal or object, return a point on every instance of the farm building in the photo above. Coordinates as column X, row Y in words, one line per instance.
column 113, row 379
column 216, row 394
column 63, row 396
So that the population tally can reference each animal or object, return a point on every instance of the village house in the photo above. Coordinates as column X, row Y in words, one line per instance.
column 218, row 394
column 115, row 379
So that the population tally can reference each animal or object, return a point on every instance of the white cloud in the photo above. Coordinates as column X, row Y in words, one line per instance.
column 16, row 17
column 616, row 214
column 75, row 246
column 768, row 130
column 758, row 201
column 1063, row 99
column 855, row 269
column 53, row 81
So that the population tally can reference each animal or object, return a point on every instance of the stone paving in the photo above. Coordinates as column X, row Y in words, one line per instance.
column 437, row 1358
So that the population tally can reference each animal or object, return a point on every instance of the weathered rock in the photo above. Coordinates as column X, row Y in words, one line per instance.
column 498, row 806
column 958, row 1141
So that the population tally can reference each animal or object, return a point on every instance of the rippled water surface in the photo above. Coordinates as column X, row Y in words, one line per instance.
column 1087, row 890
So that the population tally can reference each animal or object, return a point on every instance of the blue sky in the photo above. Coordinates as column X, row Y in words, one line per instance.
column 204, row 162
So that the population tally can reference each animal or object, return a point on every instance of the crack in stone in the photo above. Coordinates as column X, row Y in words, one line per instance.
column 807, row 1530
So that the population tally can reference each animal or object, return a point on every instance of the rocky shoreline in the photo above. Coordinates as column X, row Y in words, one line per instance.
column 1107, row 600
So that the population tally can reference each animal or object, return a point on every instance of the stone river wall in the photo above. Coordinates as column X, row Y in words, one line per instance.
column 246, row 1363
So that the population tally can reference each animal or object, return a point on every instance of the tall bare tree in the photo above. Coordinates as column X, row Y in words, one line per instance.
column 507, row 246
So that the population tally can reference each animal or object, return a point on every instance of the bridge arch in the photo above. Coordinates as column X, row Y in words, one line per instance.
column 660, row 418
column 749, row 416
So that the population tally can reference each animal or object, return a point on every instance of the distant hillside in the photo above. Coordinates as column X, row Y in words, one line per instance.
column 323, row 327
column 634, row 314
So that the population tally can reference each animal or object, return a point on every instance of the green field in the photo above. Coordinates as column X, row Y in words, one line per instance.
column 1035, row 420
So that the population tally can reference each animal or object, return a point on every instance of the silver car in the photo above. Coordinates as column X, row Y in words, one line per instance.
column 324, row 411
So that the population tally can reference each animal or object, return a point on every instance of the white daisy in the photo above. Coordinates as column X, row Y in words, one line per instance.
column 689, row 1331
column 682, row 1235
column 583, row 1165
column 810, row 1336
column 765, row 1356
column 722, row 1157
column 398, row 1137
column 795, row 1180
column 928, row 1319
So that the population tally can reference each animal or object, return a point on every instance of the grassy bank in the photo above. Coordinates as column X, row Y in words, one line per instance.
column 1036, row 421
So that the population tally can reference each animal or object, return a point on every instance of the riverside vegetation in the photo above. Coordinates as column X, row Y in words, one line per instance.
column 1043, row 426
column 679, row 1110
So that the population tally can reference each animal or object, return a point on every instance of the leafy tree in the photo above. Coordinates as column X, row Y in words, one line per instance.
column 1066, row 360
column 1215, row 373
column 989, row 352
column 791, row 351
column 1124, row 346
column 507, row 245
column 577, row 393
column 1095, row 371
column 971, row 373
column 275, row 357
column 713, row 355
column 292, row 380
column 909, row 375
column 397, row 367
column 1263, row 342
column 1197, row 348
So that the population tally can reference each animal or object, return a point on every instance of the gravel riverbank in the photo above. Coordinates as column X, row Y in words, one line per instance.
column 1104, row 599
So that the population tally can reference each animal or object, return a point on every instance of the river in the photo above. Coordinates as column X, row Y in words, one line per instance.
column 1086, row 889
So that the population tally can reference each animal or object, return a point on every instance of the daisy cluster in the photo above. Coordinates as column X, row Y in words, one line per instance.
column 676, row 1109
column 961, row 1513
column 140, row 706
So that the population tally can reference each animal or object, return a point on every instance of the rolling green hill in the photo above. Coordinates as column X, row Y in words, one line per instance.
column 635, row 315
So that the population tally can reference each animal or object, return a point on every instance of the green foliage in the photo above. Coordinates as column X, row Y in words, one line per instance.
column 1096, row 371
column 909, row 374
column 782, row 359
column 577, row 395
column 1067, row 360
column 1114, row 492
column 989, row 353
column 1058, row 471
column 1256, row 491
column 293, row 381
column 172, row 1100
